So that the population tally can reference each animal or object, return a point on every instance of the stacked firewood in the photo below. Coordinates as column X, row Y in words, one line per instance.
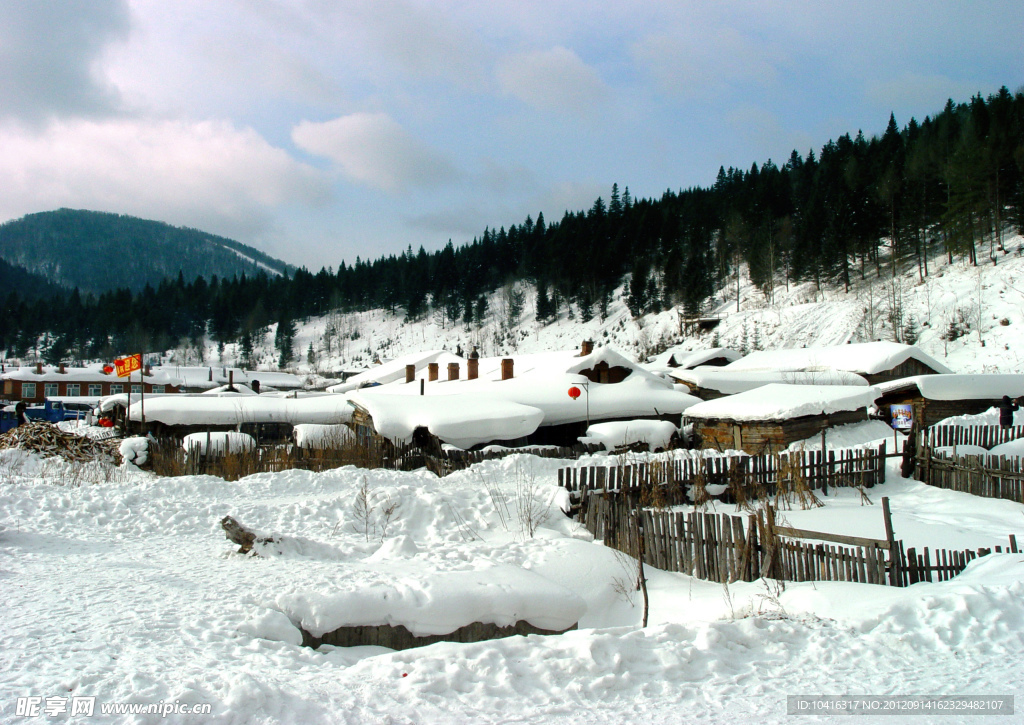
column 49, row 440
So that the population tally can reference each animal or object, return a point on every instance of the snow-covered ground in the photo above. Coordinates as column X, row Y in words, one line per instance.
column 121, row 585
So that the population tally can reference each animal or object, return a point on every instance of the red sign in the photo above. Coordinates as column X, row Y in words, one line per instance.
column 128, row 365
column 574, row 392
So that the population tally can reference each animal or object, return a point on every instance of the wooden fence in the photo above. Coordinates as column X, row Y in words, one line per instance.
column 990, row 476
column 726, row 548
column 986, row 436
column 168, row 458
column 452, row 461
column 738, row 478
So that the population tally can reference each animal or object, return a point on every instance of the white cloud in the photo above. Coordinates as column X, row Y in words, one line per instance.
column 553, row 80
column 706, row 64
column 48, row 54
column 210, row 175
column 374, row 149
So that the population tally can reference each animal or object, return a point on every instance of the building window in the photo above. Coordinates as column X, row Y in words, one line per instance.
column 28, row 390
column 95, row 390
column 136, row 388
column 116, row 389
column 51, row 390
column 74, row 389
column 158, row 388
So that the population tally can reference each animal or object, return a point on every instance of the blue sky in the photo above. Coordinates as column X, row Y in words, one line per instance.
column 322, row 130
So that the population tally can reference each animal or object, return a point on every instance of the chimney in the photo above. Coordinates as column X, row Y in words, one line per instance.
column 453, row 371
column 39, row 368
column 211, row 375
column 586, row 348
column 61, row 369
column 432, row 372
column 410, row 373
column 255, row 385
column 147, row 371
column 506, row 368
column 473, row 368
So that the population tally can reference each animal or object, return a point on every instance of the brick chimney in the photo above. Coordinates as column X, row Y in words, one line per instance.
column 410, row 373
column 432, row 371
column 39, row 368
column 148, row 370
column 506, row 368
column 61, row 369
column 453, row 371
column 586, row 348
column 473, row 368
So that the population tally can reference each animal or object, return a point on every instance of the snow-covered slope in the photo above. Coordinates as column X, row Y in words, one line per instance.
column 983, row 306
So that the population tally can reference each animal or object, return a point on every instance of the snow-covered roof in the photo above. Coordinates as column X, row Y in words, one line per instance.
column 460, row 420
column 542, row 387
column 213, row 410
column 730, row 382
column 88, row 374
column 687, row 359
column 394, row 370
column 206, row 377
column 781, row 402
column 979, row 386
column 228, row 390
column 865, row 358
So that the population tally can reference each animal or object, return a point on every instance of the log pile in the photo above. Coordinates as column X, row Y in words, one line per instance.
column 49, row 440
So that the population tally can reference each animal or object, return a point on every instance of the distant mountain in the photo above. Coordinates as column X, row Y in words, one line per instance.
column 97, row 251
column 27, row 285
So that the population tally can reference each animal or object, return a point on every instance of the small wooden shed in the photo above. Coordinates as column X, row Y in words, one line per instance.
column 937, row 397
column 770, row 418
column 875, row 361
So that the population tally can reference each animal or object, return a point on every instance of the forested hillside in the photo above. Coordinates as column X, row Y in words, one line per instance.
column 859, row 206
column 97, row 252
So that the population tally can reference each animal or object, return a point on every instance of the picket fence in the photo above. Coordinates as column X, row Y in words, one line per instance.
column 990, row 476
column 735, row 477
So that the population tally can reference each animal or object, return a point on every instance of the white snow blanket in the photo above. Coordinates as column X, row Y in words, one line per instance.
column 218, row 442
column 866, row 358
column 655, row 433
column 730, row 382
column 394, row 370
column 782, row 402
column 686, row 359
column 134, row 450
column 429, row 603
column 976, row 386
column 460, row 420
column 232, row 410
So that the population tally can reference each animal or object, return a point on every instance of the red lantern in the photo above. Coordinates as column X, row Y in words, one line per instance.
column 574, row 392
column 107, row 369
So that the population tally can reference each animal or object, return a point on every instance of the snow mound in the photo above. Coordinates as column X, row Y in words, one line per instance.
column 656, row 433
column 218, row 442
column 433, row 603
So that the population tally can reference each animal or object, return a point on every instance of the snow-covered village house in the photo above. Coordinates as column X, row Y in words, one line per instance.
column 770, row 418
column 709, row 383
column 518, row 400
column 936, row 397
column 38, row 383
column 874, row 361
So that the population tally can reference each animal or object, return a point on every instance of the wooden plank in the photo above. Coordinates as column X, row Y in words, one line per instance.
column 834, row 538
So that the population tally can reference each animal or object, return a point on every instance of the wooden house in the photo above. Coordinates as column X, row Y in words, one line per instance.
column 713, row 383
column 770, row 418
column 35, row 384
column 876, row 362
column 936, row 397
